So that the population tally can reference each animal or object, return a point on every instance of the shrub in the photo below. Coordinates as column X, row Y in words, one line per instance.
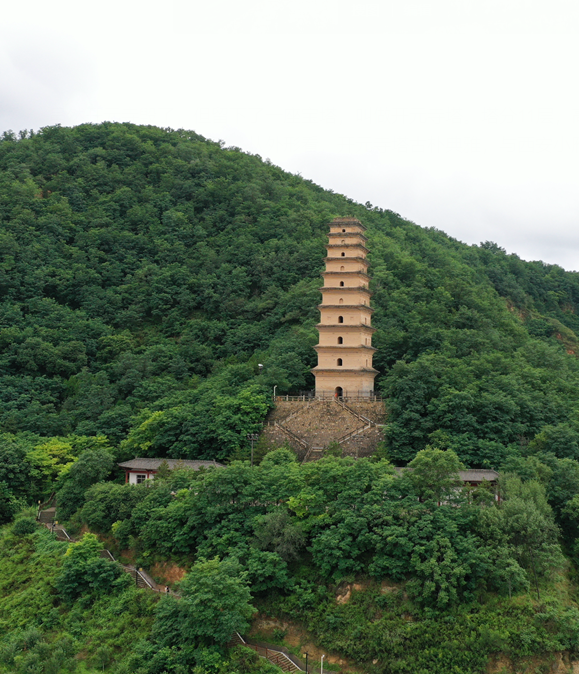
column 214, row 604
column 91, row 467
column 85, row 572
column 24, row 526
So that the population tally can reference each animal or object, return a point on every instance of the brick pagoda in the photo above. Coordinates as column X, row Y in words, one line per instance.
column 345, row 348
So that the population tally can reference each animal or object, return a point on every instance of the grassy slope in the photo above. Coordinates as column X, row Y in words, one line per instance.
column 28, row 568
column 378, row 622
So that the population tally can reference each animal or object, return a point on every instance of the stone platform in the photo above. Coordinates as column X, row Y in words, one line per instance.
column 310, row 425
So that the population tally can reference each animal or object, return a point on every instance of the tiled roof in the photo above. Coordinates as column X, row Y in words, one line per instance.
column 478, row 475
column 471, row 474
column 153, row 464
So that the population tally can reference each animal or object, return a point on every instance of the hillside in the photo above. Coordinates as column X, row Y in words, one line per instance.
column 146, row 272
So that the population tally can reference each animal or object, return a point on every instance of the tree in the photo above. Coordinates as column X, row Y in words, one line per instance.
column 84, row 571
column 434, row 474
column 440, row 574
column 91, row 467
column 107, row 503
column 561, row 440
column 14, row 468
column 9, row 504
column 528, row 523
column 280, row 533
column 214, row 604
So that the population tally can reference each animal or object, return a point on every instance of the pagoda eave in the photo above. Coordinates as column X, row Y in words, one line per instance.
column 343, row 326
column 348, row 222
column 343, row 289
column 341, row 259
column 343, row 347
column 345, row 234
column 345, row 273
column 343, row 370
column 365, row 307
column 346, row 245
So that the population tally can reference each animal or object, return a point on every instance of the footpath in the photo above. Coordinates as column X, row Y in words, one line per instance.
column 278, row 655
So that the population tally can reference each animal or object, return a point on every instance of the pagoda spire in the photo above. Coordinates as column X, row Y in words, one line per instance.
column 345, row 348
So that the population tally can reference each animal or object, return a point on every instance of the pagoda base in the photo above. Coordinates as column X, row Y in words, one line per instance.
column 350, row 384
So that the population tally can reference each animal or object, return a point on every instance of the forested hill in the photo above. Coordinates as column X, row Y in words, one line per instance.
column 146, row 272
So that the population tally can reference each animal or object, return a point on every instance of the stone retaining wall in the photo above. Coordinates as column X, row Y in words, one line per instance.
column 320, row 422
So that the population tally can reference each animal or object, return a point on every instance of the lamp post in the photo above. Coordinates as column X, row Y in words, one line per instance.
column 306, row 654
column 274, row 392
column 260, row 367
column 253, row 437
column 322, row 669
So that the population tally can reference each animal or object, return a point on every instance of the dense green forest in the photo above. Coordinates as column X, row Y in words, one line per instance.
column 145, row 273
column 448, row 581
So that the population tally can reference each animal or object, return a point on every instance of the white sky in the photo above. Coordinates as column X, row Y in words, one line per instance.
column 457, row 114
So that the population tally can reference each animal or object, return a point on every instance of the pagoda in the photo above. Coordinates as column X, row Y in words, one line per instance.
column 345, row 347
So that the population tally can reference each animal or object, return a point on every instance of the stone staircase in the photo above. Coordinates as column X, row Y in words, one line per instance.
column 47, row 516
column 142, row 579
column 292, row 435
column 279, row 655
column 313, row 454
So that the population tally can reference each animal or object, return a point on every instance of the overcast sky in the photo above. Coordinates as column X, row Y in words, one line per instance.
column 458, row 114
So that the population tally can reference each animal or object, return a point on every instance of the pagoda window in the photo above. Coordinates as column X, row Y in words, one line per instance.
column 343, row 241
column 343, row 254
column 341, row 284
column 339, row 362
column 343, row 230
column 340, row 319
column 341, row 301
column 342, row 268
column 340, row 340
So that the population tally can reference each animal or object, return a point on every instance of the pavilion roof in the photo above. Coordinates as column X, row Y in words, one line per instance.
column 153, row 464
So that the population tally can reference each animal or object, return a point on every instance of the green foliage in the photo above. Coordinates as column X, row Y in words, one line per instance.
column 27, row 652
column 434, row 474
column 85, row 572
column 24, row 526
column 214, row 603
column 354, row 517
column 9, row 505
column 92, row 466
column 333, row 449
column 107, row 503
column 277, row 533
column 381, row 631
column 148, row 271
column 49, row 460
column 14, row 469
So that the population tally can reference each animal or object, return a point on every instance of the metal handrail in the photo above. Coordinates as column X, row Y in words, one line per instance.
column 264, row 650
column 328, row 396
column 356, row 414
column 47, row 504
column 292, row 435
